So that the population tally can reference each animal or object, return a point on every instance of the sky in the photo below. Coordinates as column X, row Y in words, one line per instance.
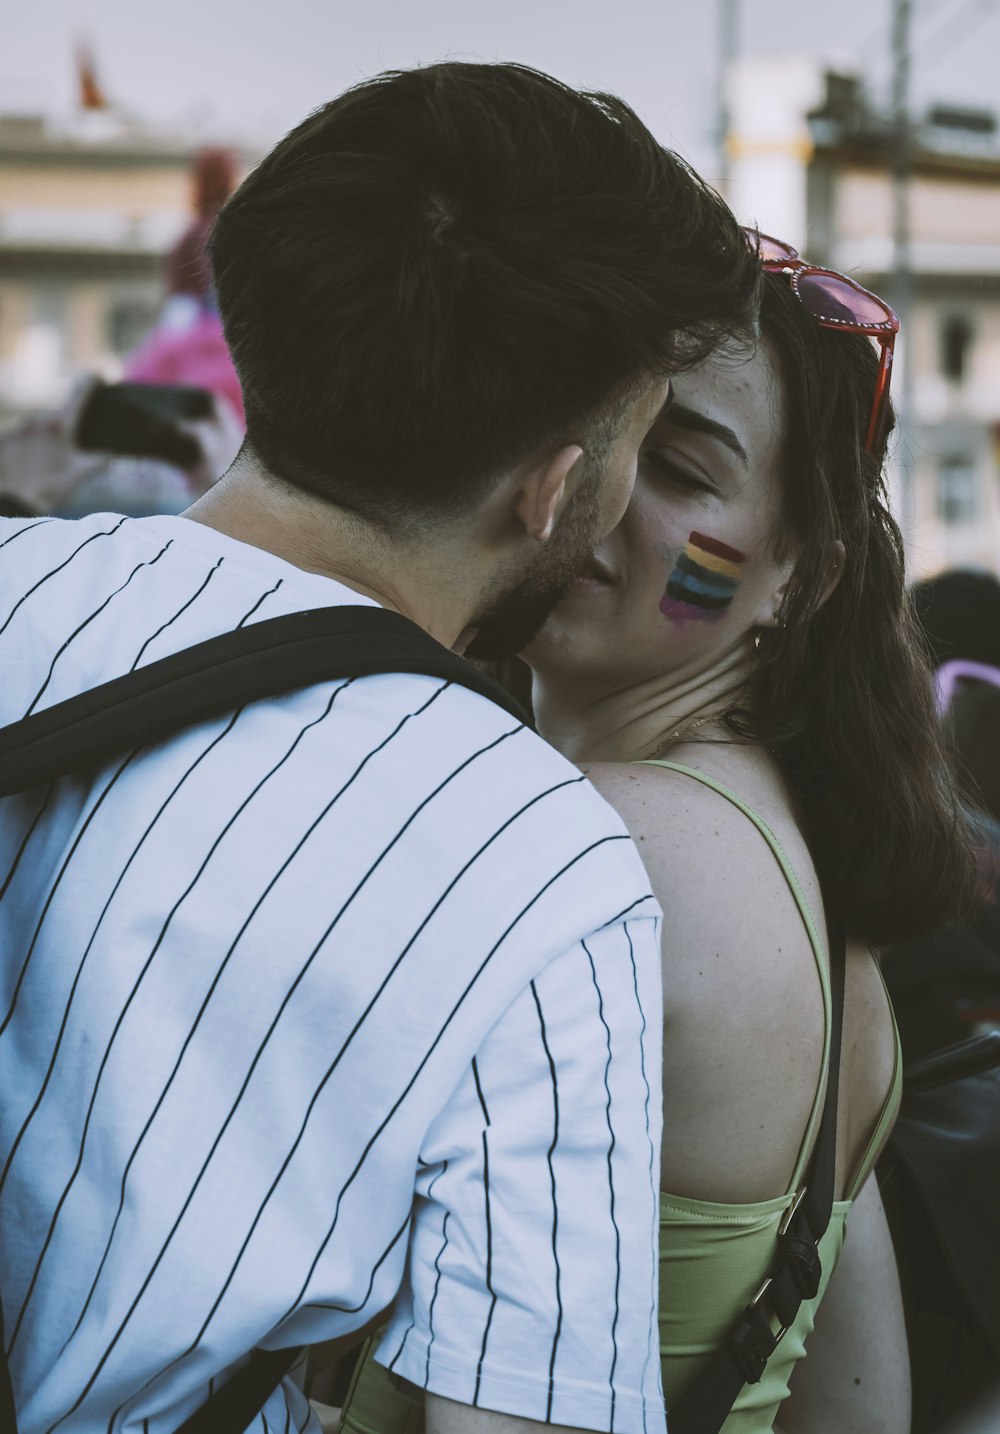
column 247, row 70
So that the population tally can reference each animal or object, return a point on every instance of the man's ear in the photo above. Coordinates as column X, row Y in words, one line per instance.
column 543, row 489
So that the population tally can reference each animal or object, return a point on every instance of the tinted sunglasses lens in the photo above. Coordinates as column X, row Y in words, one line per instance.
column 827, row 296
column 774, row 251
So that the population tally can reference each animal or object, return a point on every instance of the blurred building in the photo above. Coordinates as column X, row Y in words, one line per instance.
column 810, row 162
column 87, row 217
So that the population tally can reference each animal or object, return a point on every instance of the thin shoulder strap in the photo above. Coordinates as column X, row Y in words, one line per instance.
column 812, row 931
column 796, row 1273
column 781, row 856
column 267, row 659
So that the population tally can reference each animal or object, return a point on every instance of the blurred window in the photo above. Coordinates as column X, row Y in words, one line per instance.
column 957, row 489
column 956, row 341
column 129, row 321
column 38, row 369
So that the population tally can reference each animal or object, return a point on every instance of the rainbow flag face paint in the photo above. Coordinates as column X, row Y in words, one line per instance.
column 704, row 580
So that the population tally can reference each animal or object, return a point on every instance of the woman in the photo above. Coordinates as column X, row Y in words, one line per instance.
column 746, row 622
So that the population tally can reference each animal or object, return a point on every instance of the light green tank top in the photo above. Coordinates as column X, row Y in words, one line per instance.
column 713, row 1257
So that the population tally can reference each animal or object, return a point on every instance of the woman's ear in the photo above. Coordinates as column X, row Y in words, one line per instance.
column 767, row 614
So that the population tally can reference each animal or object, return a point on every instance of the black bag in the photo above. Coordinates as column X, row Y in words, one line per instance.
column 203, row 682
column 940, row 1182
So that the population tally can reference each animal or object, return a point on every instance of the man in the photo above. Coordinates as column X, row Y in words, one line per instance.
column 353, row 996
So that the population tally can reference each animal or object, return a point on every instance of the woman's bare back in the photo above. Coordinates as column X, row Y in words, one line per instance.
column 744, row 1037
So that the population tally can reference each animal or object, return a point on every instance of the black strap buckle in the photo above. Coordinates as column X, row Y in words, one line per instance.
column 753, row 1341
column 799, row 1250
column 804, row 1264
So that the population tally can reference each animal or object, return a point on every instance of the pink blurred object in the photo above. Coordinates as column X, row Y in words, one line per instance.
column 949, row 674
column 195, row 355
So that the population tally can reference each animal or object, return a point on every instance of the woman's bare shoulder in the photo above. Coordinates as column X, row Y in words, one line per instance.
column 721, row 887
column 681, row 824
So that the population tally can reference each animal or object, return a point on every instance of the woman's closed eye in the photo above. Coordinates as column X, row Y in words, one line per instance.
column 667, row 467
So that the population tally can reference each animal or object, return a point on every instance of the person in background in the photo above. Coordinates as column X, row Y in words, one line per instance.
column 352, row 999
column 946, row 985
column 188, row 346
column 43, row 466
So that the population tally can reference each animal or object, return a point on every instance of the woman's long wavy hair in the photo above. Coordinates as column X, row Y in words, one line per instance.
column 842, row 695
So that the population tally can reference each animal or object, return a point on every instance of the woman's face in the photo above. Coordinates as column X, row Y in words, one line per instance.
column 695, row 566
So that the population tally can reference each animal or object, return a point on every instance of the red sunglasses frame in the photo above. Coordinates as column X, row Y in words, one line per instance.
column 788, row 261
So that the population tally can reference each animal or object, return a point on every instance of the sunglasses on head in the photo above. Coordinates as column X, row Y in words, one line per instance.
column 838, row 302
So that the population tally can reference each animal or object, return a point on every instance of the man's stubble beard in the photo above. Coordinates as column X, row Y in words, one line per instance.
column 517, row 616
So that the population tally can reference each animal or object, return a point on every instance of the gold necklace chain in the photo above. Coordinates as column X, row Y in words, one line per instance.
column 680, row 732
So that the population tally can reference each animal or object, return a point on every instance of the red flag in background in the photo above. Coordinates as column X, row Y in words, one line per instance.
column 91, row 96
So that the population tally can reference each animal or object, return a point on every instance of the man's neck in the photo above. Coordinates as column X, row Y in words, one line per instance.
column 417, row 580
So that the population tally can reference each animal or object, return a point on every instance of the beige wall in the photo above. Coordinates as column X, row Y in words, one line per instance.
column 123, row 189
column 942, row 209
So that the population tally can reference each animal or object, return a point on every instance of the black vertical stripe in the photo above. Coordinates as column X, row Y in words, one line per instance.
column 555, row 1203
column 288, row 1417
column 27, row 837
column 437, row 1277
column 87, row 620
column 249, row 615
column 104, row 533
column 183, row 609
column 402, row 1346
column 611, row 1186
column 479, row 1090
column 489, row 1235
column 489, row 1270
column 652, row 1158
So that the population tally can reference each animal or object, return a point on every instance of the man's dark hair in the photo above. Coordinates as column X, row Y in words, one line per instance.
column 447, row 269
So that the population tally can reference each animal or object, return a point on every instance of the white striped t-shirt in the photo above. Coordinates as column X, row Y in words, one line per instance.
column 348, row 997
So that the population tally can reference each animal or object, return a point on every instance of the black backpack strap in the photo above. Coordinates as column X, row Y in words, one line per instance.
column 234, row 1407
column 704, row 1407
column 212, row 678
column 8, row 1413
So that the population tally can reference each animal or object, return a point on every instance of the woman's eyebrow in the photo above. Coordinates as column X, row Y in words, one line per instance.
column 697, row 422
